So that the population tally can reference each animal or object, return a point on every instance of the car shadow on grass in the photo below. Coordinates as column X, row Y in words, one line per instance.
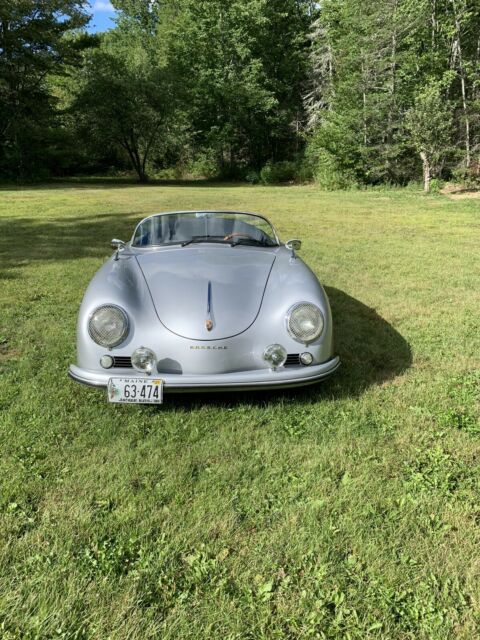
column 371, row 350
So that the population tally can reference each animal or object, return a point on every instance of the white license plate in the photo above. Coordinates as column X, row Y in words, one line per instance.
column 135, row 390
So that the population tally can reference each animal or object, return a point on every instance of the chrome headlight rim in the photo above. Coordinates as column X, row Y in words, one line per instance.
column 288, row 316
column 126, row 327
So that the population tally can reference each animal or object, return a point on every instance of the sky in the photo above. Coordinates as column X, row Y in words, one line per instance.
column 102, row 12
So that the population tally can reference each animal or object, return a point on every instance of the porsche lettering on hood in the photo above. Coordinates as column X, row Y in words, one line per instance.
column 190, row 286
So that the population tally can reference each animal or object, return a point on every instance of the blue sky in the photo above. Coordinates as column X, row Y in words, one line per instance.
column 102, row 13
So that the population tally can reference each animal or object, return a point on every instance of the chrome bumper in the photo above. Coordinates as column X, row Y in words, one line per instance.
column 283, row 377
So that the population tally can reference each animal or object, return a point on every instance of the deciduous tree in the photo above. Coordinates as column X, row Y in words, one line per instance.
column 34, row 43
column 124, row 98
column 430, row 124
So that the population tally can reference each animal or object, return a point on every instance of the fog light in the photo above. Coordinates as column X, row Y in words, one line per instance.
column 275, row 355
column 106, row 362
column 143, row 360
column 306, row 358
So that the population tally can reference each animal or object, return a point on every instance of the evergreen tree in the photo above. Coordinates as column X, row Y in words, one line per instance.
column 369, row 65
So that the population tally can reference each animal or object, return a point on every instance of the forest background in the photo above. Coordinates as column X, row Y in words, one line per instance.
column 347, row 93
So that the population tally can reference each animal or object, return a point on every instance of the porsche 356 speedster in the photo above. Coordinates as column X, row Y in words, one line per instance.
column 203, row 300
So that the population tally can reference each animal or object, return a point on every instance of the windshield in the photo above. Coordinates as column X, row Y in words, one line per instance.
column 205, row 226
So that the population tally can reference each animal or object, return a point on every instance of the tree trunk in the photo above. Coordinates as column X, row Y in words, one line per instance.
column 457, row 45
column 392, row 85
column 134, row 159
column 364, row 102
column 142, row 176
column 476, row 88
column 467, row 119
column 433, row 22
column 426, row 172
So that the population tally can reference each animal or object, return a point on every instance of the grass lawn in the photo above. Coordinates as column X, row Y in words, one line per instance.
column 347, row 510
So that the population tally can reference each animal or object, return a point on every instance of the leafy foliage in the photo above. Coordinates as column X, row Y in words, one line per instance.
column 351, row 92
column 430, row 124
column 34, row 43
column 124, row 99
column 372, row 64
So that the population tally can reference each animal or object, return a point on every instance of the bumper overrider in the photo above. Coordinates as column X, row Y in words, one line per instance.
column 284, row 377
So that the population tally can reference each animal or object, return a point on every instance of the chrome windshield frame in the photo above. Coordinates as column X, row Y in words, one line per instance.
column 201, row 211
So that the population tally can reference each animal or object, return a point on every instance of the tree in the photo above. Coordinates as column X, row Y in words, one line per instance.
column 359, row 90
column 430, row 124
column 242, row 65
column 370, row 62
column 34, row 43
column 124, row 98
column 228, row 85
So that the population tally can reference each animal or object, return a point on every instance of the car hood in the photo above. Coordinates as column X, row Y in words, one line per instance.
column 192, row 285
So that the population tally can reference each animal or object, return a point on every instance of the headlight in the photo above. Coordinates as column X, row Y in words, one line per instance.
column 108, row 325
column 275, row 355
column 305, row 322
column 143, row 359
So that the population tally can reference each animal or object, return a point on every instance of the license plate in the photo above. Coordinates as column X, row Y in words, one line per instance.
column 135, row 390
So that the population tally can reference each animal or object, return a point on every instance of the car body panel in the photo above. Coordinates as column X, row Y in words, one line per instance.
column 239, row 381
column 164, row 292
column 230, row 280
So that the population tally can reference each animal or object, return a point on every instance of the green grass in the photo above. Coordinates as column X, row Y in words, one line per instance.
column 347, row 510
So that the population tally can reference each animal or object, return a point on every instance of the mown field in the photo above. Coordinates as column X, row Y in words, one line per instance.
column 347, row 510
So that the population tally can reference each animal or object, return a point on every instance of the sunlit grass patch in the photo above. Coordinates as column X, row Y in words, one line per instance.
column 347, row 510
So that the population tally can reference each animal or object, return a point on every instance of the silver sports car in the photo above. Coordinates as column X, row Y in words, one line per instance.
column 203, row 300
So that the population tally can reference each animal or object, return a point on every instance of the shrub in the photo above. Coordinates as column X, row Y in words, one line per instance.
column 166, row 174
column 204, row 166
column 328, row 176
column 278, row 172
column 252, row 177
column 469, row 178
column 435, row 185
column 304, row 172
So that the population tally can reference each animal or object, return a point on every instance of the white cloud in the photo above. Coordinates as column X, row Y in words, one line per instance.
column 103, row 5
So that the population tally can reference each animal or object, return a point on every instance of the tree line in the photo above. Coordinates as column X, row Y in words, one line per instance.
column 344, row 92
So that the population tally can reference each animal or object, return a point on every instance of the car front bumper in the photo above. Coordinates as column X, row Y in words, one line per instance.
column 283, row 377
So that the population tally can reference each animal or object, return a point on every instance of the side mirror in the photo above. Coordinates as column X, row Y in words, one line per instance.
column 119, row 245
column 293, row 245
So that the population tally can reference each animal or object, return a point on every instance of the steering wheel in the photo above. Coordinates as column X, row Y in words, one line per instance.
column 236, row 234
